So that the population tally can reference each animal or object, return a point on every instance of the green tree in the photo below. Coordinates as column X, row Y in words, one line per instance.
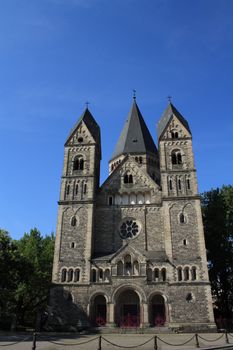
column 217, row 206
column 32, row 292
column 25, row 276
column 11, row 274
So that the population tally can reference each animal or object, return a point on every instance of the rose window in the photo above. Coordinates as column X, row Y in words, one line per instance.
column 129, row 229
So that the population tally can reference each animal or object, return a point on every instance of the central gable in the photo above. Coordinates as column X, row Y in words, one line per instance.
column 127, row 177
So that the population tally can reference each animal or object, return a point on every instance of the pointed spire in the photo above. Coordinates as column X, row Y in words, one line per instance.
column 91, row 124
column 135, row 136
column 167, row 116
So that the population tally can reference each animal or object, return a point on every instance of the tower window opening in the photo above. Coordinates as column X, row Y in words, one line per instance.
column 72, row 245
column 176, row 157
column 182, row 218
column 184, row 242
column 174, row 134
column 78, row 163
column 76, row 275
column 189, row 298
column 76, row 189
column 70, row 275
column 179, row 185
column 179, row 274
column 156, row 274
column 68, row 189
column 188, row 184
column 73, row 221
column 110, row 200
column 170, row 184
column 85, row 189
column 63, row 275
column 194, row 273
column 140, row 160
column 186, row 274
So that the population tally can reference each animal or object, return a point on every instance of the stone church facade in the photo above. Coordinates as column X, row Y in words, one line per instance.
column 131, row 252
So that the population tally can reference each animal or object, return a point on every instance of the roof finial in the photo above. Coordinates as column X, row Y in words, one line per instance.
column 169, row 98
column 134, row 94
column 87, row 104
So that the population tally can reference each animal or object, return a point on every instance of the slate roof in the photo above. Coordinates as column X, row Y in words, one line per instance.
column 135, row 136
column 91, row 124
column 167, row 115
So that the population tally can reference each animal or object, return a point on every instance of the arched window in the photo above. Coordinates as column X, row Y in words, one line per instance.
column 182, row 218
column 189, row 298
column 85, row 188
column 110, row 200
column 176, row 157
column 78, row 163
column 112, row 167
column 186, row 273
column 128, row 265
column 179, row 271
column 67, row 189
column 194, row 273
column 174, row 134
column 93, row 275
column 101, row 274
column 149, row 274
column 163, row 274
column 120, row 268
column 188, row 184
column 128, row 179
column 76, row 275
column 140, row 160
column 70, row 275
column 156, row 274
column 73, row 221
column 76, row 189
column 170, row 184
column 107, row 275
column 179, row 184
column 63, row 275
column 136, row 268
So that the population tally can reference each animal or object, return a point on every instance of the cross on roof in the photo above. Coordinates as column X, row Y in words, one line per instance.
column 169, row 98
column 87, row 104
column 134, row 94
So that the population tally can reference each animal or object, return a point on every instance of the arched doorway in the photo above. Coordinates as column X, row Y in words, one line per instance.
column 99, row 311
column 128, row 309
column 157, row 311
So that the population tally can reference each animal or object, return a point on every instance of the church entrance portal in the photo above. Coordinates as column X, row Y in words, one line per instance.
column 99, row 311
column 128, row 309
column 157, row 311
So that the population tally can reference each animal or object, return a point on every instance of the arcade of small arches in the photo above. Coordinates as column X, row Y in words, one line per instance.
column 75, row 188
column 70, row 275
column 179, row 183
column 127, row 308
column 187, row 273
column 132, row 198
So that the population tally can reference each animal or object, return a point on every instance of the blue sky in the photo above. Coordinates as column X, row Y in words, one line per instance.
column 57, row 54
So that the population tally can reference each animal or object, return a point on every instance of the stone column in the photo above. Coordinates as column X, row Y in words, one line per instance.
column 110, row 315
column 144, row 316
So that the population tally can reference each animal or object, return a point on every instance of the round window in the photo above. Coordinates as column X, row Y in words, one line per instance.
column 129, row 229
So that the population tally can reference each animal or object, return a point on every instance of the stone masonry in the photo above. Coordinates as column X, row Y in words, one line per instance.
column 131, row 252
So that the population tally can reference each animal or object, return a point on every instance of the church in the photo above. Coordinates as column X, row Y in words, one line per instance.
column 131, row 252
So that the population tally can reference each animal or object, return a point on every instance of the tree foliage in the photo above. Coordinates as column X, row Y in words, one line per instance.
column 25, row 275
column 217, row 206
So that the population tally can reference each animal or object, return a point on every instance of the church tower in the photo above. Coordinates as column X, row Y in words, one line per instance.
column 183, row 230
column 79, row 183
